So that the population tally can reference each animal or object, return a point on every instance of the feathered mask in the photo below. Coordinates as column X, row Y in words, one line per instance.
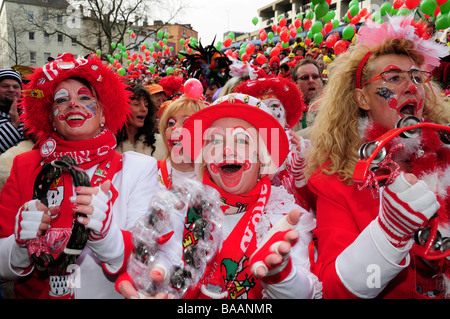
column 208, row 64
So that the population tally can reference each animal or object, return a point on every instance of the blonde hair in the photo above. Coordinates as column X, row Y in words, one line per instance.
column 185, row 104
column 334, row 135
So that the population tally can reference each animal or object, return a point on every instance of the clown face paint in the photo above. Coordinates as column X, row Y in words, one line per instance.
column 173, row 136
column 231, row 155
column 276, row 108
column 387, row 101
column 76, row 115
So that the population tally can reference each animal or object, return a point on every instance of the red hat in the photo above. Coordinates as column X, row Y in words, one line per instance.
column 241, row 106
column 109, row 87
column 286, row 91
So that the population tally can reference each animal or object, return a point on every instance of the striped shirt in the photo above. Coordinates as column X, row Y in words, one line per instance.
column 9, row 135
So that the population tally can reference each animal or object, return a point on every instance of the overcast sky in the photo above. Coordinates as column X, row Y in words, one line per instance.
column 212, row 17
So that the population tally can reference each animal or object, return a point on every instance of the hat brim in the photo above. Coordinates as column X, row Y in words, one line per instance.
column 269, row 128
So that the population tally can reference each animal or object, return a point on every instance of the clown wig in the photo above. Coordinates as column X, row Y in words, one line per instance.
column 105, row 84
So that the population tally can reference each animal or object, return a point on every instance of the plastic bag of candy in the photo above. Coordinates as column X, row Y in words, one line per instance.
column 180, row 234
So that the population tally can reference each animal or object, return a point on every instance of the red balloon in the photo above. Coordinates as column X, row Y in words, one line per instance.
column 328, row 27
column 250, row 48
column 340, row 47
column 307, row 24
column 193, row 88
column 261, row 59
column 364, row 12
column 298, row 23
column 282, row 22
column 308, row 41
column 227, row 42
column 331, row 40
column 263, row 36
column 245, row 57
column 284, row 36
column 293, row 33
column 275, row 51
column 398, row 3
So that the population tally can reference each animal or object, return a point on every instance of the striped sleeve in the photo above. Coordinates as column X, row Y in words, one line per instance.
column 9, row 135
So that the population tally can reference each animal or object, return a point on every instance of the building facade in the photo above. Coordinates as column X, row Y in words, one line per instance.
column 22, row 40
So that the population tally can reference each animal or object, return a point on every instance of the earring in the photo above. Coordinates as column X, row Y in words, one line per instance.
column 102, row 124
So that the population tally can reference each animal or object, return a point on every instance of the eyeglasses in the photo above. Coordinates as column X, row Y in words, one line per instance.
column 397, row 77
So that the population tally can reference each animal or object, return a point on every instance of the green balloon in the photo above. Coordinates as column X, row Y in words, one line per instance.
column 160, row 34
column 321, row 10
column 428, row 7
column 99, row 52
column 113, row 45
column 316, row 27
column 285, row 45
column 255, row 20
column 348, row 32
column 310, row 34
column 122, row 71
column 329, row 16
column 445, row 8
column 182, row 41
column 385, row 8
column 270, row 35
column 125, row 55
column 318, row 38
column 169, row 70
column 354, row 10
column 335, row 23
column 403, row 12
column 231, row 35
column 442, row 21
column 376, row 16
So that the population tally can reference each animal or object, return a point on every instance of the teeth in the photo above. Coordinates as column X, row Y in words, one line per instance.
column 74, row 117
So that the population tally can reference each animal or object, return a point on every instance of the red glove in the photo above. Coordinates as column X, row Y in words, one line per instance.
column 272, row 261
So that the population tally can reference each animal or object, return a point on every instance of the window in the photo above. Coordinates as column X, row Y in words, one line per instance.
column 31, row 36
column 74, row 41
column 32, row 57
column 46, row 56
column 60, row 38
column 46, row 38
column 59, row 19
column 30, row 16
column 45, row 18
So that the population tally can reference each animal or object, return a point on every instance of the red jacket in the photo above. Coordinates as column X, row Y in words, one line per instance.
column 343, row 212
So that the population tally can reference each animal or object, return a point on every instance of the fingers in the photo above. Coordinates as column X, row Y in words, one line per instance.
column 293, row 216
column 127, row 289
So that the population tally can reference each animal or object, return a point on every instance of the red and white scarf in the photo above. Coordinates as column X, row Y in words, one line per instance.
column 231, row 269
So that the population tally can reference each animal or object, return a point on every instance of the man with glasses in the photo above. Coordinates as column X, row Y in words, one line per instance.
column 11, row 129
column 307, row 77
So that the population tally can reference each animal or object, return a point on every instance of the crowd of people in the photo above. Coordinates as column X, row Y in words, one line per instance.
column 323, row 192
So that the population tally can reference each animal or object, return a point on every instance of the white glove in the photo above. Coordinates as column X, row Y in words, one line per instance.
column 28, row 221
column 405, row 209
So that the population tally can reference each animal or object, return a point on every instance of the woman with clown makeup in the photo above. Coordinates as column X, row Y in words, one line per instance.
column 68, row 203
column 236, row 144
column 374, row 234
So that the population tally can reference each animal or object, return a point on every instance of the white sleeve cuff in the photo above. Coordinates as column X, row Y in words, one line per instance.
column 110, row 250
column 370, row 262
